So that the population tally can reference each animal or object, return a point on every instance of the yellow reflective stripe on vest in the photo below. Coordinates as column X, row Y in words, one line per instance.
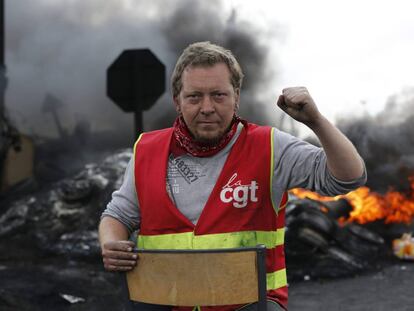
column 277, row 279
column 272, row 168
column 188, row 240
column 134, row 157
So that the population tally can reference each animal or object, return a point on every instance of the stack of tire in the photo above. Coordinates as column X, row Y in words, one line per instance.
column 318, row 246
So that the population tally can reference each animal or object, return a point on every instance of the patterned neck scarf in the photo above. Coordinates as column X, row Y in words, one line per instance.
column 183, row 142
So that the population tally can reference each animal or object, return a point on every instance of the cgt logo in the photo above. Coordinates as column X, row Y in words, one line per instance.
column 237, row 193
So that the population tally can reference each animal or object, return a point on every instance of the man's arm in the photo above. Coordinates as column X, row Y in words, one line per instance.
column 343, row 160
column 120, row 218
column 117, row 250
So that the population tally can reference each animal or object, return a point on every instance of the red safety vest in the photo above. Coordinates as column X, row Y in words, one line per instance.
column 239, row 211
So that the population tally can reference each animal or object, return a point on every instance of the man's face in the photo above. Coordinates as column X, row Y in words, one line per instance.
column 207, row 101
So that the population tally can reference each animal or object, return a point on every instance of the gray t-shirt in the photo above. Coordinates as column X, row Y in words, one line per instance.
column 190, row 180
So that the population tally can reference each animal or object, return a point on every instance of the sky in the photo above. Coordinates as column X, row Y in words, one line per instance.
column 351, row 55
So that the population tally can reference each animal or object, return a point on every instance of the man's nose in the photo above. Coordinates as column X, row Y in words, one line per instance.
column 207, row 105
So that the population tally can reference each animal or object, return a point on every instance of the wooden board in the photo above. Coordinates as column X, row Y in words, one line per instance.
column 191, row 279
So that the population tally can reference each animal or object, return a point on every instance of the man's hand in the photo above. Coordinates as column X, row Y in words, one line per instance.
column 297, row 103
column 119, row 255
column 343, row 160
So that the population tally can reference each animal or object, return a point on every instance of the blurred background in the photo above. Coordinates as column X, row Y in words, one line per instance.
column 64, row 143
column 355, row 58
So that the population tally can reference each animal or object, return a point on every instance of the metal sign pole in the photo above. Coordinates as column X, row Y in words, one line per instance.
column 3, row 78
column 138, row 122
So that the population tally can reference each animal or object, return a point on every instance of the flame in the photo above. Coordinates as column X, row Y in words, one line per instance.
column 368, row 206
column 404, row 247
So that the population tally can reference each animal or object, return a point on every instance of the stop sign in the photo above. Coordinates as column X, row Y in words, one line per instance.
column 135, row 80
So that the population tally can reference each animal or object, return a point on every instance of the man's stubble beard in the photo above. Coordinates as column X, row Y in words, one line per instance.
column 209, row 141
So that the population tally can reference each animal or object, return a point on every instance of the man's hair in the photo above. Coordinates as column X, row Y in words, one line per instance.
column 205, row 54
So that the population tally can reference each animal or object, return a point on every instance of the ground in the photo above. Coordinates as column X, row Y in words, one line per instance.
column 388, row 289
column 43, row 285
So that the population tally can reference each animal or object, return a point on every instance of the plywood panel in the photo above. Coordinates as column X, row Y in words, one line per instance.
column 190, row 279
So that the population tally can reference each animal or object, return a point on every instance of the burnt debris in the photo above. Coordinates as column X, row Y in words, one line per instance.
column 319, row 246
column 49, row 243
column 63, row 219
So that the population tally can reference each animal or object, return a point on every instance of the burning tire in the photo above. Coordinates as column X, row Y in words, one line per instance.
column 359, row 241
column 365, row 234
column 345, row 257
column 318, row 221
column 313, row 238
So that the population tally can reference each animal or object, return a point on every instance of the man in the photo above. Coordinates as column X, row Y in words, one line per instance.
column 215, row 175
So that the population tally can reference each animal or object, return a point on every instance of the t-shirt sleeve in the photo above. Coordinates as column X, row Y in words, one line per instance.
column 299, row 164
column 124, row 203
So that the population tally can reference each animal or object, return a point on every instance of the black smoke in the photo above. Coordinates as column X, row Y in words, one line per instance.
column 64, row 48
column 386, row 142
column 207, row 21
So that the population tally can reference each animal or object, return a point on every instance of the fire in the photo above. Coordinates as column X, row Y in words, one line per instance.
column 404, row 247
column 368, row 206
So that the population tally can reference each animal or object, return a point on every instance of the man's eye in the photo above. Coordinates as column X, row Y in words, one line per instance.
column 219, row 95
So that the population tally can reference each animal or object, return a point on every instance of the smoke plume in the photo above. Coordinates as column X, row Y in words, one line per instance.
column 64, row 48
column 386, row 142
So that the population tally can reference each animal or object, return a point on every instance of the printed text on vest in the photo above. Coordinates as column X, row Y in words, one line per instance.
column 234, row 191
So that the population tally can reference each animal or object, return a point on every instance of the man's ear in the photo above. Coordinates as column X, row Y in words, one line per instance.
column 177, row 104
column 237, row 99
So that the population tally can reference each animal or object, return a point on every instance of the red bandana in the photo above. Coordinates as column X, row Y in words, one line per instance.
column 183, row 142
